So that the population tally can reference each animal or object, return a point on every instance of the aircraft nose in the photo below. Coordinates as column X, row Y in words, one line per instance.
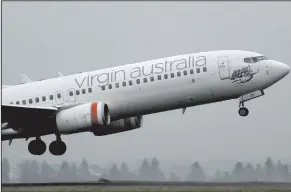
column 282, row 68
column 278, row 70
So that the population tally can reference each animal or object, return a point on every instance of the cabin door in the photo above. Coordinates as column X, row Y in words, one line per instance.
column 223, row 66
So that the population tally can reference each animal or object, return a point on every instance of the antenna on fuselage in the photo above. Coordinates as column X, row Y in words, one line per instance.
column 183, row 110
column 24, row 79
column 60, row 74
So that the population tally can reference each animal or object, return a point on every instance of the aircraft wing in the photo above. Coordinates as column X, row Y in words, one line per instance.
column 21, row 116
column 15, row 113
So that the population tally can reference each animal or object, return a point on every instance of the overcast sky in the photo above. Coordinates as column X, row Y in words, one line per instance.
column 42, row 38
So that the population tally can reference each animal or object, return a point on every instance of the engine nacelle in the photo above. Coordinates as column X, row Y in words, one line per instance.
column 84, row 117
column 121, row 125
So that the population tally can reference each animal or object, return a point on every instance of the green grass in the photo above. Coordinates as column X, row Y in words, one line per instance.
column 145, row 189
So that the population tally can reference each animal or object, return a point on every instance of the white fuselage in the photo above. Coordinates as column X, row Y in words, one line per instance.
column 153, row 86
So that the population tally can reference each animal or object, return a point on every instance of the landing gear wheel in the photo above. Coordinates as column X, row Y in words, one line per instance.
column 57, row 148
column 243, row 111
column 37, row 147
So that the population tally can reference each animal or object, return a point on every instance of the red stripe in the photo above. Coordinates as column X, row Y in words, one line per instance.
column 94, row 112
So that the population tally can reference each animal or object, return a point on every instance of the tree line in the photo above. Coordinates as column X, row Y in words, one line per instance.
column 149, row 170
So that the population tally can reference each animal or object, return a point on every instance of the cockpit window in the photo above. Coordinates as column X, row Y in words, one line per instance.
column 248, row 60
column 255, row 59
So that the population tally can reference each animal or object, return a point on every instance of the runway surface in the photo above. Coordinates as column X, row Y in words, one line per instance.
column 121, row 186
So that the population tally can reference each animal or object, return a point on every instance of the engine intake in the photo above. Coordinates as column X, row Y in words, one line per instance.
column 121, row 125
column 89, row 116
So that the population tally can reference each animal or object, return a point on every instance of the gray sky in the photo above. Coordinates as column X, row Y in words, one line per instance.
column 42, row 38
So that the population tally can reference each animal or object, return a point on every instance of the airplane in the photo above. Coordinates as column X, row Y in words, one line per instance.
column 114, row 100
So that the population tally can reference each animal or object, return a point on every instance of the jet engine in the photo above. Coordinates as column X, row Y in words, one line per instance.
column 84, row 117
column 121, row 125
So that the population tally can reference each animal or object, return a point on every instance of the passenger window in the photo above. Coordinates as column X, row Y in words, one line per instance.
column 191, row 71
column 145, row 80
column 178, row 73
column 204, row 69
column 77, row 92
column 24, row 102
column 130, row 82
column 17, row 102
column 138, row 81
column 124, row 84
column 103, row 87
column 90, row 90
column 71, row 93
column 109, row 86
column 185, row 72
column 36, row 99
column 51, row 97
column 159, row 77
column 83, row 91
column 117, row 85
column 165, row 76
column 152, row 79
column 198, row 70
column 59, row 95
column 11, row 103
column 43, row 98
column 172, row 75
column 30, row 101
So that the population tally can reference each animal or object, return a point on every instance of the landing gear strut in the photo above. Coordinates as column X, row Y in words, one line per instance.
column 57, row 147
column 243, row 111
column 37, row 147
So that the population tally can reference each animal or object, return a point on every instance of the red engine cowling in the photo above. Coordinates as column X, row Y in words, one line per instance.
column 84, row 117
column 121, row 125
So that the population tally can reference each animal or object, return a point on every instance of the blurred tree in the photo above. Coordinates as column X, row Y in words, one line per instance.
column 174, row 177
column 144, row 171
column 114, row 173
column 156, row 174
column 196, row 173
column 73, row 172
column 84, row 171
column 34, row 171
column 125, row 174
column 238, row 172
column 217, row 175
column 47, row 173
column 5, row 170
column 269, row 169
column 249, row 173
column 259, row 172
column 64, row 172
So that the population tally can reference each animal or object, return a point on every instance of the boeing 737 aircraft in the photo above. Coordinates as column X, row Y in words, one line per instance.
column 114, row 100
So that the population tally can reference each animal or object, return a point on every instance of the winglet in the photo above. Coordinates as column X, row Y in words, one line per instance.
column 60, row 74
column 10, row 141
column 24, row 79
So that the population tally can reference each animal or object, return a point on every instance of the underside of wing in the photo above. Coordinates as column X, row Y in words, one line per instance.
column 12, row 112
column 18, row 119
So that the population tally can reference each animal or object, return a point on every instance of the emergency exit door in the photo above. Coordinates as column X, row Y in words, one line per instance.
column 223, row 67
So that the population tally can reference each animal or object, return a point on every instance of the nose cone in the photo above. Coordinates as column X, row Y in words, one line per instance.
column 279, row 70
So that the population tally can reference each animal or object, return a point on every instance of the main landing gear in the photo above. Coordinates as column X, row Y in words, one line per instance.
column 38, row 147
column 58, row 147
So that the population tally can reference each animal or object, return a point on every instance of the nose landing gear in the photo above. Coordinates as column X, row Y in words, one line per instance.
column 243, row 111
